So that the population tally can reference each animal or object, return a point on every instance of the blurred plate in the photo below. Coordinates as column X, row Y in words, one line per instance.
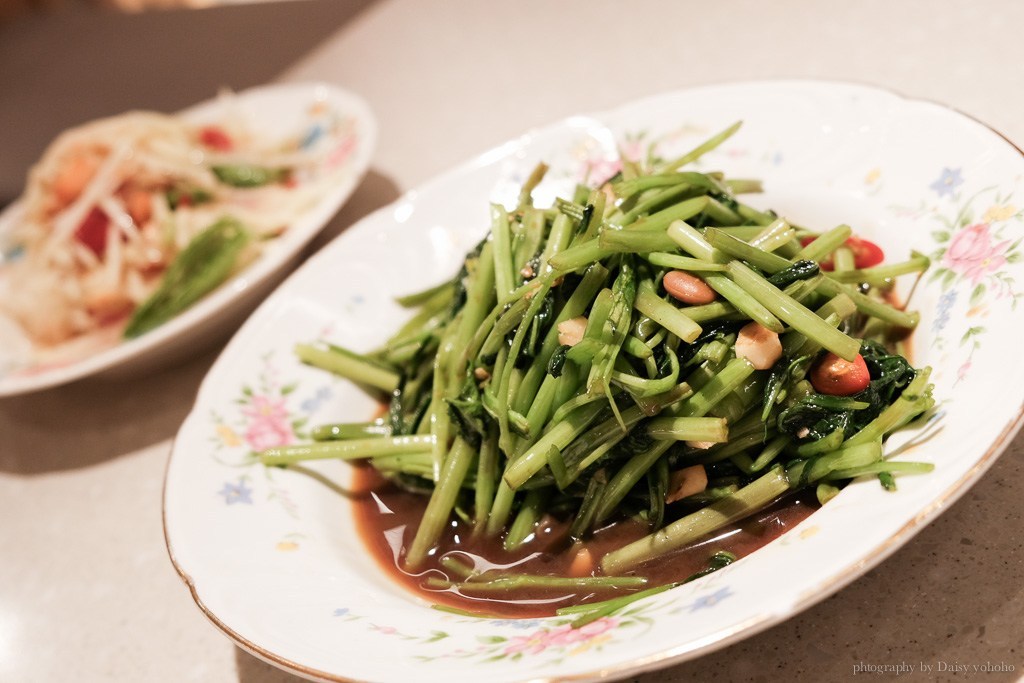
column 271, row 556
column 277, row 110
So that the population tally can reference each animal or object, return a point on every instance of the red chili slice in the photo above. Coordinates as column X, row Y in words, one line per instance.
column 92, row 231
column 214, row 137
column 865, row 253
column 835, row 376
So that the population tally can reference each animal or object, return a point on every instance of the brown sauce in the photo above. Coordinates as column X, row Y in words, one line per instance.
column 387, row 518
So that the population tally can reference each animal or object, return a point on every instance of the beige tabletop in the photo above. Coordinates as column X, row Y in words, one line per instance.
column 86, row 589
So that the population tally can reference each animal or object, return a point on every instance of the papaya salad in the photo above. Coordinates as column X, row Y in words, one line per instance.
column 651, row 354
column 126, row 221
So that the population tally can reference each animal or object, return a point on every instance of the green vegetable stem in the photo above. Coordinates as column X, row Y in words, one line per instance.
column 556, row 376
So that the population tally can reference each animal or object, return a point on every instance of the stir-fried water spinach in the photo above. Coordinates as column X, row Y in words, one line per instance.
column 652, row 343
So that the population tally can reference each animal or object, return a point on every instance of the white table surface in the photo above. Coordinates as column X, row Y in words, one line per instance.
column 86, row 589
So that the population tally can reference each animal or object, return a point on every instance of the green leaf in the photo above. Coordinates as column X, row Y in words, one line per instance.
column 940, row 236
column 971, row 332
column 491, row 640
column 947, row 279
column 289, row 388
column 965, row 219
column 977, row 295
column 1013, row 257
column 436, row 636
column 246, row 176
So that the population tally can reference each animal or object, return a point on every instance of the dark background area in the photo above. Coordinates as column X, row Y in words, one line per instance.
column 71, row 62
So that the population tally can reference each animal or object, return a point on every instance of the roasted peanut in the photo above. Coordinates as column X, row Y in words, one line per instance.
column 686, row 482
column 582, row 563
column 687, row 288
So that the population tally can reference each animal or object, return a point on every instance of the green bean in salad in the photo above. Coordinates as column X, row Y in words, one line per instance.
column 207, row 261
column 650, row 349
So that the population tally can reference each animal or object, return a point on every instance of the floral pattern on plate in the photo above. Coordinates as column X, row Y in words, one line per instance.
column 977, row 238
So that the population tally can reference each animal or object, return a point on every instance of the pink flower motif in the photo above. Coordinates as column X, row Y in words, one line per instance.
column 599, row 170
column 268, row 423
column 567, row 635
column 342, row 151
column 961, row 374
column 563, row 636
column 599, row 626
column 263, row 434
column 532, row 644
column 972, row 254
column 264, row 407
column 632, row 149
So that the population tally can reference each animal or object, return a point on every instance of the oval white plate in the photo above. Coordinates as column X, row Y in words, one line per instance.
column 270, row 555
column 278, row 110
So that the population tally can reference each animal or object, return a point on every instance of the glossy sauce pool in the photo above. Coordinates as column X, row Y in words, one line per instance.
column 387, row 518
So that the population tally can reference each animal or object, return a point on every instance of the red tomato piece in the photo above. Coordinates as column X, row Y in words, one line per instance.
column 92, row 231
column 214, row 137
column 835, row 376
column 865, row 253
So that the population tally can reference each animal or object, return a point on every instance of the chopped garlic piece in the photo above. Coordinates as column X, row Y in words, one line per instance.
column 570, row 332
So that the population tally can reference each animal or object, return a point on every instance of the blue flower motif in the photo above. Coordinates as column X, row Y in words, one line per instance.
column 706, row 601
column 12, row 253
column 947, row 182
column 315, row 133
column 313, row 402
column 236, row 493
column 341, row 611
column 946, row 302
